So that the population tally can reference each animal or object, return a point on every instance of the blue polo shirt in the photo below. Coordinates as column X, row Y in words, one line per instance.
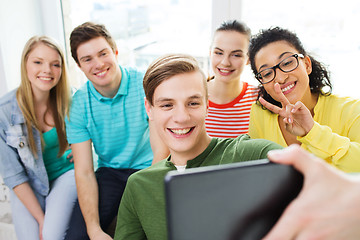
column 118, row 126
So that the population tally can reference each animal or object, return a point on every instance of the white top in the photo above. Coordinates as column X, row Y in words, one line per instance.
column 180, row 168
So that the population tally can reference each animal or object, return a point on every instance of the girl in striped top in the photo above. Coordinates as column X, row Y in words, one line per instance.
column 230, row 99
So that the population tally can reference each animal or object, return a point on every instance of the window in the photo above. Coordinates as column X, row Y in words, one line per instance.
column 328, row 30
column 144, row 30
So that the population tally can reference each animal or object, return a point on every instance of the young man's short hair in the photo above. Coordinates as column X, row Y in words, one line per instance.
column 166, row 67
column 86, row 32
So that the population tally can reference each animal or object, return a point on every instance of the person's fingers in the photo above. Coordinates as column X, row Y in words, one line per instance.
column 288, row 113
column 280, row 95
column 271, row 107
column 286, row 120
column 293, row 155
column 282, row 156
column 297, row 106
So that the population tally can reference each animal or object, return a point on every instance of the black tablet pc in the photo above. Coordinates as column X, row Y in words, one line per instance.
column 233, row 201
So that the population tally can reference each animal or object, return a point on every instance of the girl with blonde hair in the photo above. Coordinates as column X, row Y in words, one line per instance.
column 35, row 159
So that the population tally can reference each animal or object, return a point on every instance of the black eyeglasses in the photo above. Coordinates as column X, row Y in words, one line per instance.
column 286, row 65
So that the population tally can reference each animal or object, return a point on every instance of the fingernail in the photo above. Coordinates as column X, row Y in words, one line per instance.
column 273, row 153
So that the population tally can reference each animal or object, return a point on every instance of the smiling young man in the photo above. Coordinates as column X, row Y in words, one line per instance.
column 107, row 113
column 176, row 103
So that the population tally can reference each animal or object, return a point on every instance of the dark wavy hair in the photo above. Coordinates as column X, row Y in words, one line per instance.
column 319, row 78
column 86, row 32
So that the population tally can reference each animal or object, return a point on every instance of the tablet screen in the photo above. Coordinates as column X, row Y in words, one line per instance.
column 233, row 201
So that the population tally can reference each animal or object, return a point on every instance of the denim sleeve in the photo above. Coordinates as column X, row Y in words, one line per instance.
column 11, row 168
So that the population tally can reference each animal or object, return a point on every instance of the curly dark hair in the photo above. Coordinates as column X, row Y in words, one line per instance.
column 319, row 78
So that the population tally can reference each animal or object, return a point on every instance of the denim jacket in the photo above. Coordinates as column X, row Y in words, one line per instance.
column 17, row 163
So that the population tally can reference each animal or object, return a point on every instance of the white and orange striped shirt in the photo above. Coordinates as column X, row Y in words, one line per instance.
column 231, row 119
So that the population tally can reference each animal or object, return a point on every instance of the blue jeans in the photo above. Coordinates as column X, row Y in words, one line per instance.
column 57, row 205
column 111, row 185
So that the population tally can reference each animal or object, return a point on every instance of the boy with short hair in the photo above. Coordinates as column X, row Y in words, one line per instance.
column 108, row 112
column 176, row 103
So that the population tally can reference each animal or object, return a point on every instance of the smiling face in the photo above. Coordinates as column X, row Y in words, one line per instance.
column 294, row 84
column 178, row 111
column 98, row 62
column 43, row 67
column 228, row 55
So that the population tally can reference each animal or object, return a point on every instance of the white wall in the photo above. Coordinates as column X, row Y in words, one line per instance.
column 19, row 20
column 223, row 10
column 3, row 88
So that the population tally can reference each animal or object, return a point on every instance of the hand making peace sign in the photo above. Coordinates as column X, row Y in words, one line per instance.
column 297, row 117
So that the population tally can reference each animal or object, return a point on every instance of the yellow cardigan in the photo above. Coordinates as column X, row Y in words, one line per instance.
column 335, row 136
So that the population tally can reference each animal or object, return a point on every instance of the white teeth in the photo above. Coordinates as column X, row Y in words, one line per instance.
column 45, row 78
column 224, row 71
column 100, row 74
column 288, row 87
column 181, row 131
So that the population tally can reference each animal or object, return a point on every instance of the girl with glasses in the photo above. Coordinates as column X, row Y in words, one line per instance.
column 295, row 104
column 230, row 98
column 35, row 159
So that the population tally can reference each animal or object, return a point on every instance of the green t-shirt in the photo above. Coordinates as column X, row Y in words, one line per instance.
column 142, row 213
column 54, row 166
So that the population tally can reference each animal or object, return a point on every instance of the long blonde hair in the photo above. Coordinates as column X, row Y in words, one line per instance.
column 59, row 99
